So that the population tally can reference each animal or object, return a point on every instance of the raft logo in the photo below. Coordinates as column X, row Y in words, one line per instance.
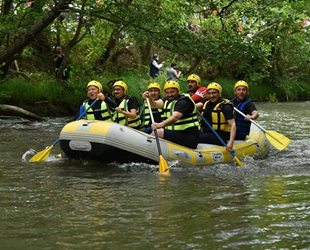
column 217, row 156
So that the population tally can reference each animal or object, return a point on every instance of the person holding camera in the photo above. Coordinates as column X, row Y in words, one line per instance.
column 58, row 58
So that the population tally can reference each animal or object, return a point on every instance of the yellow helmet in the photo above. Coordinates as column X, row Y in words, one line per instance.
column 214, row 85
column 154, row 85
column 121, row 84
column 241, row 83
column 196, row 78
column 172, row 84
column 96, row 84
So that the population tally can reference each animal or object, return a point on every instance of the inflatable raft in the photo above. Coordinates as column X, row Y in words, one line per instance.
column 111, row 142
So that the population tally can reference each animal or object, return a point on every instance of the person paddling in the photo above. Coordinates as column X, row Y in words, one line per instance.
column 181, row 123
column 246, row 106
column 102, row 109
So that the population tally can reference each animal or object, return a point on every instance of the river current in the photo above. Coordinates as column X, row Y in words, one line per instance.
column 71, row 204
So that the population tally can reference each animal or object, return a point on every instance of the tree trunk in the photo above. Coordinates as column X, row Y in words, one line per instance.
column 10, row 111
column 111, row 45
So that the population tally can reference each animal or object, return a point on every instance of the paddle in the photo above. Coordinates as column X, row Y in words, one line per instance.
column 163, row 166
column 43, row 155
column 276, row 139
column 240, row 163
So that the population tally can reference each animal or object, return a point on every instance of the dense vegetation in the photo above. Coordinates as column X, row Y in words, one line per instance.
column 265, row 42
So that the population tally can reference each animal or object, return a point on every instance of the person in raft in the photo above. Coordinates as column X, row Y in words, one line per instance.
column 197, row 92
column 219, row 113
column 179, row 111
column 154, row 93
column 246, row 106
column 127, row 110
column 102, row 109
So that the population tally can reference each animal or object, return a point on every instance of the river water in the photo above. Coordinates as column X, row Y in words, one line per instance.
column 67, row 204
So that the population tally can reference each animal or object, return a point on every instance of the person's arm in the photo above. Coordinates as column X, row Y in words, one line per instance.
column 111, row 103
column 132, row 106
column 253, row 116
column 131, row 114
column 200, row 94
column 199, row 105
column 155, row 104
column 171, row 120
column 178, row 74
column 233, row 131
column 158, row 66
column 251, row 111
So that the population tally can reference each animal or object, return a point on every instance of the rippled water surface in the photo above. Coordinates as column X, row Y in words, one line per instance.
column 66, row 204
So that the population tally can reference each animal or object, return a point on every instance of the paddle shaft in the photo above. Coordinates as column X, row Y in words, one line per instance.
column 155, row 131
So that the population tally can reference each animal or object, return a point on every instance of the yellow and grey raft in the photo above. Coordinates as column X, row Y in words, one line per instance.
column 111, row 142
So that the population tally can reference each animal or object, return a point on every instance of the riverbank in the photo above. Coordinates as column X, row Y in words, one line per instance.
column 43, row 96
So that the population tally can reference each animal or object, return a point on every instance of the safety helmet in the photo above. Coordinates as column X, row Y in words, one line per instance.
column 241, row 83
column 154, row 85
column 96, row 84
column 172, row 84
column 194, row 77
column 214, row 85
column 121, row 84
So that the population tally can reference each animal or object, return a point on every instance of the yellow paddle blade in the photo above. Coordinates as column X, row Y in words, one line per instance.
column 277, row 140
column 240, row 163
column 42, row 155
column 163, row 166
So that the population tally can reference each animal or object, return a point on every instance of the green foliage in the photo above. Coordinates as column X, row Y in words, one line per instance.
column 273, row 98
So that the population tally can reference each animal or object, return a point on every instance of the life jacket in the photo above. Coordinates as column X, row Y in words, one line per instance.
column 124, row 120
column 183, row 123
column 146, row 117
column 243, row 126
column 106, row 113
column 153, row 70
column 219, row 121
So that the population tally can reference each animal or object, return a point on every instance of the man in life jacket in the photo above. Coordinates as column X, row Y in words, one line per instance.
column 155, row 66
column 219, row 113
column 246, row 106
column 154, row 93
column 197, row 92
column 127, row 110
column 180, row 124
column 102, row 109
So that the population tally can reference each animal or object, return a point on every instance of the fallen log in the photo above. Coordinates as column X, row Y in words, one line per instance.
column 9, row 110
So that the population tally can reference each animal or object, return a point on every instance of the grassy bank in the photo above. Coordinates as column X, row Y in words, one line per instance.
column 44, row 96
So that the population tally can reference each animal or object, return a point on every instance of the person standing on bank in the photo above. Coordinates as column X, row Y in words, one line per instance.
column 172, row 74
column 155, row 66
column 197, row 92
column 102, row 109
column 246, row 106
column 180, row 124
column 219, row 113
column 58, row 58
column 127, row 110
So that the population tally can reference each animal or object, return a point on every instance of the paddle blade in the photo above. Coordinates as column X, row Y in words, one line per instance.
column 240, row 163
column 163, row 166
column 42, row 155
column 277, row 140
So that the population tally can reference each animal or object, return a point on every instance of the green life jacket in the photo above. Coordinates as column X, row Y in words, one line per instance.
column 124, row 120
column 183, row 123
column 106, row 113
column 145, row 115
